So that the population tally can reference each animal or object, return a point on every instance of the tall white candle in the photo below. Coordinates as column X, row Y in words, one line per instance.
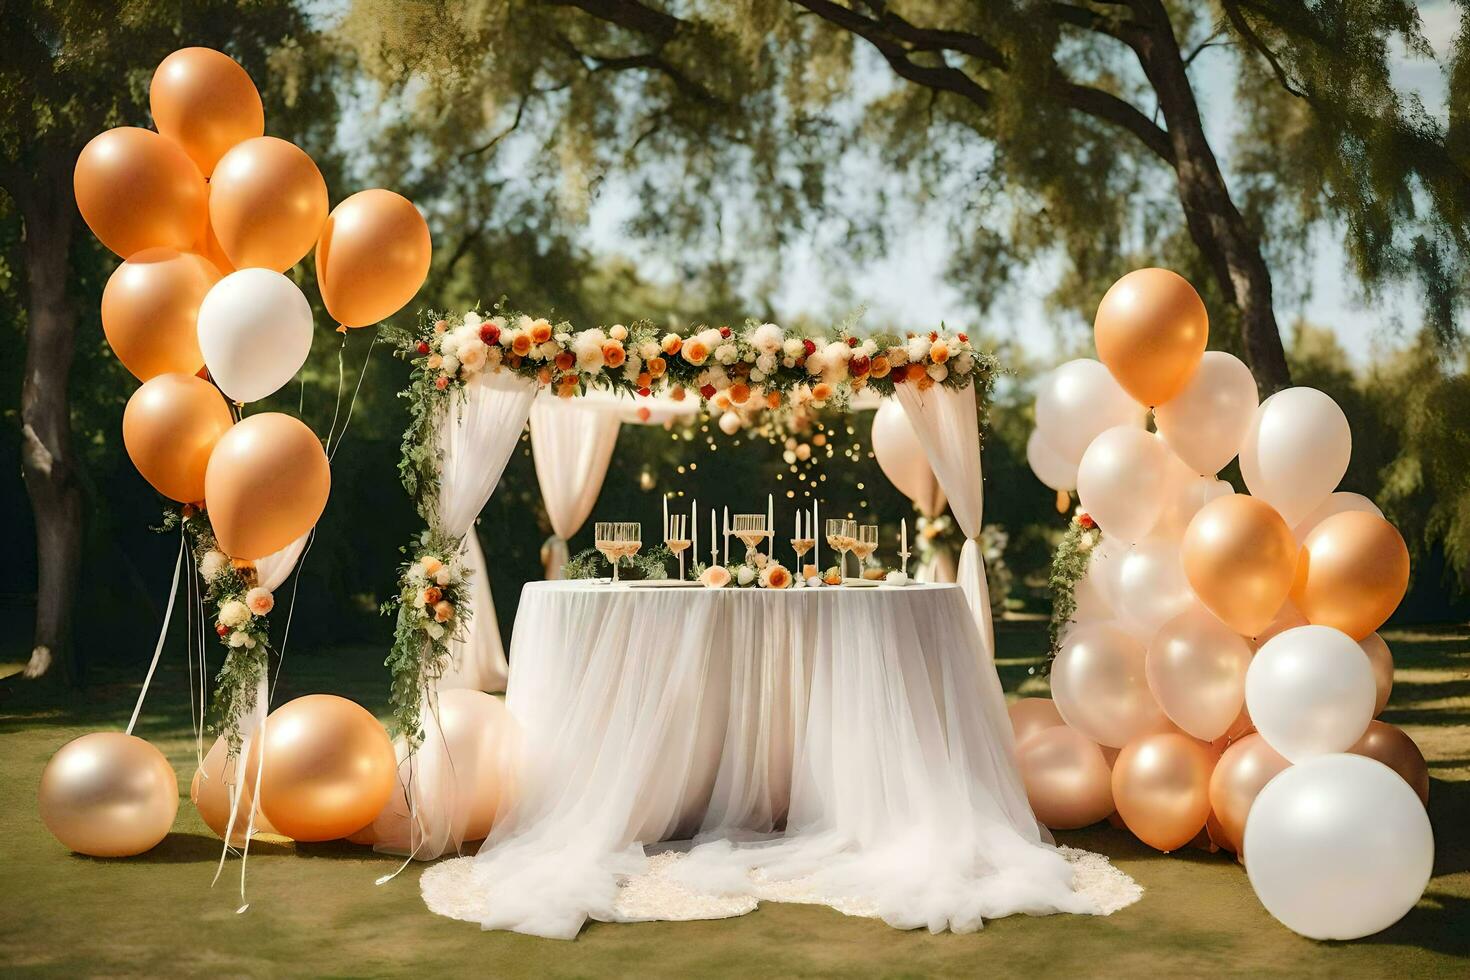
column 714, row 540
column 771, row 526
column 694, row 530
column 903, row 535
column 666, row 517
column 817, row 537
column 727, row 534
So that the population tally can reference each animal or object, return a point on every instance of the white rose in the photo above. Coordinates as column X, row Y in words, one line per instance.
column 744, row 574
column 757, row 375
column 727, row 354
column 234, row 613
column 938, row 372
column 766, row 363
column 963, row 364
column 837, row 352
column 767, row 338
column 918, row 348
column 443, row 575
column 213, row 564
column 472, row 319
column 648, row 350
column 868, row 347
column 450, row 364
column 240, row 638
column 792, row 347
column 587, row 348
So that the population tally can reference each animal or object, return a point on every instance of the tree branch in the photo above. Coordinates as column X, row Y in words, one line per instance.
column 1238, row 21
column 1109, row 108
column 495, row 140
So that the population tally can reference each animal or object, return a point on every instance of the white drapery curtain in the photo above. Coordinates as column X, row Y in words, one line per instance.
column 572, row 441
column 272, row 571
column 475, row 443
column 948, row 424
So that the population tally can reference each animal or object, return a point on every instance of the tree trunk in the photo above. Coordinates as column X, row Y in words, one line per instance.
column 46, row 454
column 1215, row 224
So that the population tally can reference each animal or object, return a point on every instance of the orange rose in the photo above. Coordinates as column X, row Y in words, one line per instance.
column 544, row 376
column 432, row 595
column 443, row 612
column 778, row 578
column 677, row 394
column 739, row 392
column 431, row 565
column 696, row 352
column 565, row 360
column 939, row 352
column 773, row 399
column 540, row 332
column 521, row 346
column 644, row 380
column 613, row 354
column 657, row 366
column 879, row 367
column 821, row 391
column 915, row 371
column 671, row 344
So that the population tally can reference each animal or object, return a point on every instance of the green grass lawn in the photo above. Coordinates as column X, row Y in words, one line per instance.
column 315, row 910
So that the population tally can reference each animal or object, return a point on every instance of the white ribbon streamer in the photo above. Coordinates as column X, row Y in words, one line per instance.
column 168, row 611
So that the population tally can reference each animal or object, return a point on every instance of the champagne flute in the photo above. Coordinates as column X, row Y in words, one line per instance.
column 678, row 539
column 865, row 544
column 840, row 535
column 751, row 530
column 603, row 538
column 629, row 538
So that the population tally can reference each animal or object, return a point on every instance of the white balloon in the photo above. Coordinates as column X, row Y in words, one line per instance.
column 1099, row 685
column 1092, row 602
column 1050, row 466
column 1077, row 402
column 1206, row 422
column 1123, row 481
column 255, row 333
column 1340, row 847
column 902, row 459
column 1151, row 587
column 1310, row 691
column 1296, row 451
column 1102, row 570
column 1336, row 503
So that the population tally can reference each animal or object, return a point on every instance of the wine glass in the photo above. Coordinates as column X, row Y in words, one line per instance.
column 604, row 539
column 678, row 538
column 840, row 536
column 628, row 536
column 865, row 544
column 751, row 530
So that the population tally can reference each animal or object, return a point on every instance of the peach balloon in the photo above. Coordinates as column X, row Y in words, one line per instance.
column 329, row 767
column 1161, row 789
column 170, row 428
column 372, row 258
column 150, row 309
column 1240, row 558
column 1151, row 330
column 205, row 102
column 1380, row 658
column 1353, row 572
column 1067, row 779
column 214, row 783
column 1098, row 683
column 266, row 485
column 1031, row 715
column 267, row 204
column 1196, row 670
column 1393, row 748
column 1288, row 617
column 136, row 190
column 107, row 794
column 1245, row 767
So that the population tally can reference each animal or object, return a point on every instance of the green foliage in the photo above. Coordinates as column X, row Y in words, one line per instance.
column 1068, row 568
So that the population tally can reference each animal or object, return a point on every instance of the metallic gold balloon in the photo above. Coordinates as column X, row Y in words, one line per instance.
column 170, row 428
column 1393, row 748
column 1353, row 572
column 372, row 258
column 209, row 247
column 329, row 767
column 267, row 204
column 205, row 102
column 266, row 485
column 139, row 190
column 150, row 311
column 1161, row 787
column 1151, row 330
column 1031, row 715
column 109, row 795
column 1246, row 766
column 1381, row 660
column 1196, row 670
column 1240, row 557
column 1067, row 779
column 212, row 787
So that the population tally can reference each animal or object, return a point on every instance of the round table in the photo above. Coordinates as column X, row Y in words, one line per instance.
column 855, row 731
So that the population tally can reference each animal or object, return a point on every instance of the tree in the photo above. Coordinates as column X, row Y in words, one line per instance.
column 1048, row 125
column 71, row 70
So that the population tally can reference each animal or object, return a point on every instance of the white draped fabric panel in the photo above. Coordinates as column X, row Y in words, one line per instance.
column 475, row 443
column 572, row 441
column 272, row 571
column 948, row 425
column 848, row 742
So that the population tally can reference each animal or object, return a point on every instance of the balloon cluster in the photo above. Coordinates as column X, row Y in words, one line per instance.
column 1224, row 644
column 208, row 214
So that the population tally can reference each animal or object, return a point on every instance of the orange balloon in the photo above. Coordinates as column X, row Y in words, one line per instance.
column 214, row 783
column 150, row 310
column 1240, row 557
column 205, row 102
column 266, row 485
column 209, row 247
column 1245, row 767
column 329, row 768
column 1031, row 715
column 170, row 428
column 1354, row 570
column 136, row 190
column 267, row 204
column 1393, row 748
column 1151, row 329
column 1066, row 777
column 372, row 258
column 1161, row 789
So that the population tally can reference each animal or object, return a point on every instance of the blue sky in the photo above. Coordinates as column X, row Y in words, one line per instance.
column 908, row 286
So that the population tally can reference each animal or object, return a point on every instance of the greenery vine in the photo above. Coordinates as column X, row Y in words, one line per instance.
column 1068, row 567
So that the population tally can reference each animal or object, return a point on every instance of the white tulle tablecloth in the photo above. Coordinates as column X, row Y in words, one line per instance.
column 843, row 746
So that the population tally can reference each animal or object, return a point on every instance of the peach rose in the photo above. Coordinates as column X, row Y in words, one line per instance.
column 739, row 392
column 821, row 391
column 540, row 332
column 431, row 565
column 430, row 596
column 657, row 366
column 715, row 577
column 939, row 352
column 441, row 325
column 775, row 577
column 443, row 612
column 696, row 352
column 521, row 345
column 565, row 360
column 435, row 362
column 671, row 344
column 260, row 601
column 613, row 354
column 879, row 367
column 618, row 332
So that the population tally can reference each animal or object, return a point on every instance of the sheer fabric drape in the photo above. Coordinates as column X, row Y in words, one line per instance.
column 859, row 727
column 477, row 659
column 948, row 425
column 572, row 441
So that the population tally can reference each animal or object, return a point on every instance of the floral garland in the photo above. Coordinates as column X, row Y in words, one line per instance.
column 241, row 608
column 1068, row 568
column 431, row 609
